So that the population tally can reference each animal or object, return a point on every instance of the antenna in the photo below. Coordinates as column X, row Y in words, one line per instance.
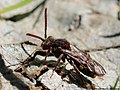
column 45, row 22
column 32, row 35
column 35, row 36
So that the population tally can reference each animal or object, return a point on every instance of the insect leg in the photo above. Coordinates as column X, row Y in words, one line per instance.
column 28, row 43
column 60, row 57
column 84, row 79
column 48, row 52
column 40, row 52
column 74, row 66
column 71, row 62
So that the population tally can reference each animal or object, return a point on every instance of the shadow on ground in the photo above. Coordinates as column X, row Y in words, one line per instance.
column 11, row 77
column 74, row 78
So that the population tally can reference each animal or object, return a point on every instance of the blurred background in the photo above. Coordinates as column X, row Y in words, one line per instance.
column 85, row 23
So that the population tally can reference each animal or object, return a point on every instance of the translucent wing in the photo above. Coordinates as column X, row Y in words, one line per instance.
column 84, row 62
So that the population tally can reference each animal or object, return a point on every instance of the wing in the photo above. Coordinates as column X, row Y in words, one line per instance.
column 84, row 62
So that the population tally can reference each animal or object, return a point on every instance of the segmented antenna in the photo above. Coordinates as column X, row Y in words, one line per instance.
column 35, row 36
column 45, row 22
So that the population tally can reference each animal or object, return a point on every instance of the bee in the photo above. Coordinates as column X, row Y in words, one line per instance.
column 64, row 50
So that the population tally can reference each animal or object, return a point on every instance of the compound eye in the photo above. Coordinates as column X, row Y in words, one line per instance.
column 45, row 45
column 42, row 44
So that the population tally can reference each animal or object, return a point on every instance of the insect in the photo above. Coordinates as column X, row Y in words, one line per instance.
column 64, row 50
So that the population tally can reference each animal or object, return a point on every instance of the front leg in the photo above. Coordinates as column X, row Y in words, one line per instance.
column 41, row 52
column 27, row 61
column 28, row 43
column 48, row 53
